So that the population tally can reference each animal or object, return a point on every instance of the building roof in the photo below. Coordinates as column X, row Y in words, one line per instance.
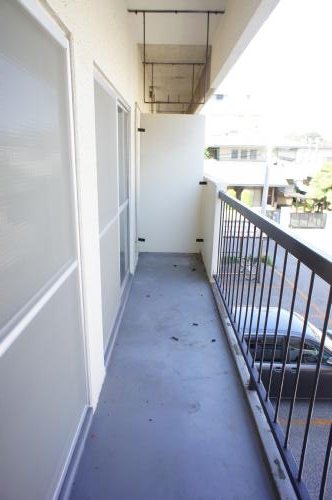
column 240, row 173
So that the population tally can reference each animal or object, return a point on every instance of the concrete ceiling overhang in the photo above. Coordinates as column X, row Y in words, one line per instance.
column 176, row 50
column 182, row 37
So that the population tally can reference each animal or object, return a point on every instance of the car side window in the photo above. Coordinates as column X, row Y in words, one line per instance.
column 310, row 352
column 309, row 355
column 268, row 349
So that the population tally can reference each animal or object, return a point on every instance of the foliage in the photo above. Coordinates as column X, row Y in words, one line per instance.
column 247, row 197
column 321, row 185
column 267, row 259
column 207, row 154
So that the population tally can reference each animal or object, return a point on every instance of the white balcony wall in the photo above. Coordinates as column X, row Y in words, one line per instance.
column 210, row 220
column 172, row 148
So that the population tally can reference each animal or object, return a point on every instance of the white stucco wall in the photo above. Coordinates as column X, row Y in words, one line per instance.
column 99, row 36
column 171, row 167
column 210, row 220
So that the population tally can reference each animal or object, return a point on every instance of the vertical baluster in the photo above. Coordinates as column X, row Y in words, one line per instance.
column 230, row 214
column 275, row 337
column 298, row 367
column 261, row 299
column 239, row 270
column 236, row 267
column 231, row 267
column 267, row 312
column 298, row 265
column 314, row 391
column 250, row 276
column 223, row 254
column 243, row 281
column 222, row 203
column 254, row 292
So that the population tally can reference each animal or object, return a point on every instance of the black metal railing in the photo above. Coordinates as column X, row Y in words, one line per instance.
column 277, row 293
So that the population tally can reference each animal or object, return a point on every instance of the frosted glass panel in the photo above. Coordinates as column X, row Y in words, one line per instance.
column 105, row 113
column 110, row 278
column 36, row 215
column 123, row 154
column 43, row 394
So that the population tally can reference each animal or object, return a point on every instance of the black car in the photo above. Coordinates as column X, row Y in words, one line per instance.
column 309, row 357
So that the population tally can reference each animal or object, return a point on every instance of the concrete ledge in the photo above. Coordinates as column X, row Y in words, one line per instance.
column 275, row 463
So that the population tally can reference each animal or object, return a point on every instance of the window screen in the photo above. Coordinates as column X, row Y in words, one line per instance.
column 36, row 215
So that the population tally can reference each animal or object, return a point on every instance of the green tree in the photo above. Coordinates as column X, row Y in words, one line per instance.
column 207, row 154
column 321, row 185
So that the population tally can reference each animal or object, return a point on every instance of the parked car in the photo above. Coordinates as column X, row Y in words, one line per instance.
column 309, row 357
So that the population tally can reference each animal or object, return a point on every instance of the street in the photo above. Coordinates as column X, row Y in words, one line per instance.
column 317, row 441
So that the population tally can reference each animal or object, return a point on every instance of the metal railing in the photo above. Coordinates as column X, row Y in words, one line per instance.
column 280, row 310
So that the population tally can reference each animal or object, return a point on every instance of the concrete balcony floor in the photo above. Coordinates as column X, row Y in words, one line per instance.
column 172, row 422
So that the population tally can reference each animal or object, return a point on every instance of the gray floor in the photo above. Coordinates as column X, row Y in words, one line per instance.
column 172, row 422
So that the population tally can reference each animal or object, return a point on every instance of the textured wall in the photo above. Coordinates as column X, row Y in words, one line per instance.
column 99, row 35
column 171, row 167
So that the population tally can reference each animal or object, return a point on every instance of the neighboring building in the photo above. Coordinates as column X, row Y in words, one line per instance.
column 243, row 166
column 236, row 137
column 246, row 179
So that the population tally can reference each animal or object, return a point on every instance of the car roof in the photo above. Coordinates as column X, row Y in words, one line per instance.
column 297, row 321
column 312, row 332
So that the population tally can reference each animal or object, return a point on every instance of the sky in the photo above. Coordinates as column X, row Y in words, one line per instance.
column 287, row 69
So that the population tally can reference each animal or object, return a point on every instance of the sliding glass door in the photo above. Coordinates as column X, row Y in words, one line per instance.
column 111, row 123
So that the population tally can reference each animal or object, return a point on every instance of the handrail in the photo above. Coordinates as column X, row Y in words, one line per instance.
column 320, row 263
column 266, row 281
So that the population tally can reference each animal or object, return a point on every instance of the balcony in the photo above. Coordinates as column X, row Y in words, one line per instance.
column 204, row 378
column 110, row 237
column 172, row 421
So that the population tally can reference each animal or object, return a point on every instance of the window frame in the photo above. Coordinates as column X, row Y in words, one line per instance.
column 269, row 340
column 127, row 203
column 119, row 103
column 234, row 154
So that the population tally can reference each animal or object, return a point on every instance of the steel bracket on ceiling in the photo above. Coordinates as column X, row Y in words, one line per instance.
column 146, row 63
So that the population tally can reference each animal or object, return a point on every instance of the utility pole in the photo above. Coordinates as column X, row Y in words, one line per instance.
column 269, row 159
